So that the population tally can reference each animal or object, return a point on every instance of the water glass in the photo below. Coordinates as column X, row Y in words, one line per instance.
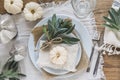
column 83, row 8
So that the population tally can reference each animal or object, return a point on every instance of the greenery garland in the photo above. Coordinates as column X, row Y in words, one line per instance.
column 10, row 70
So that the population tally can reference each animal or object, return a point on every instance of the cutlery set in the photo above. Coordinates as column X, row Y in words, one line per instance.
column 97, row 39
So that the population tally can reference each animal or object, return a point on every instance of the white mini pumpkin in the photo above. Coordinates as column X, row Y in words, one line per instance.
column 13, row 6
column 33, row 11
column 58, row 55
column 8, row 29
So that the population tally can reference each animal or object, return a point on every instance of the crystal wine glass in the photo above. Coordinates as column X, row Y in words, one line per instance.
column 83, row 8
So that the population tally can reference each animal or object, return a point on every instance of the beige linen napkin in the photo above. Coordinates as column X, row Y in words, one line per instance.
column 70, row 65
column 112, row 37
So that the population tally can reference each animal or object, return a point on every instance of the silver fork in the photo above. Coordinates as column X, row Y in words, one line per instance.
column 90, row 59
column 96, row 38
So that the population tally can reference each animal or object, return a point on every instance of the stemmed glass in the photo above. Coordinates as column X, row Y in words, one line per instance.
column 83, row 8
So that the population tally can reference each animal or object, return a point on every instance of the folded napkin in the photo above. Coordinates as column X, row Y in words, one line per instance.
column 72, row 56
column 112, row 37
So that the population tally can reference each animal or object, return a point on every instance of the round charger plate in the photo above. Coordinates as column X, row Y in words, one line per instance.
column 78, row 27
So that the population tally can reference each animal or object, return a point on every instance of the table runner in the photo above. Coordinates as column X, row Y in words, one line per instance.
column 24, row 29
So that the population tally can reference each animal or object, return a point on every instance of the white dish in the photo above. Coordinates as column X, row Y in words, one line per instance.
column 84, row 38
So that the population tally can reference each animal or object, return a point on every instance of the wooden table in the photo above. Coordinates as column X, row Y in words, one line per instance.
column 112, row 63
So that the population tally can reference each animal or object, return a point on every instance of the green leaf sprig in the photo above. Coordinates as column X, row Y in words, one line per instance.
column 57, row 31
column 113, row 21
column 10, row 70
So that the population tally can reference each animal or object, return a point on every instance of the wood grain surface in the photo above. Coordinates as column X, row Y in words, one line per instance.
column 112, row 63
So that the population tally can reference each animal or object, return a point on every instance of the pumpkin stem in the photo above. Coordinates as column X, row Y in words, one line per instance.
column 32, row 11
column 11, row 2
column 58, row 55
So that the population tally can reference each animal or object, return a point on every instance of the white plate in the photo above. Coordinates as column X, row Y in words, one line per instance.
column 84, row 37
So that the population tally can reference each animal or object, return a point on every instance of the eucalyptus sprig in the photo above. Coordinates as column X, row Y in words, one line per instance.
column 113, row 21
column 57, row 31
column 10, row 70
